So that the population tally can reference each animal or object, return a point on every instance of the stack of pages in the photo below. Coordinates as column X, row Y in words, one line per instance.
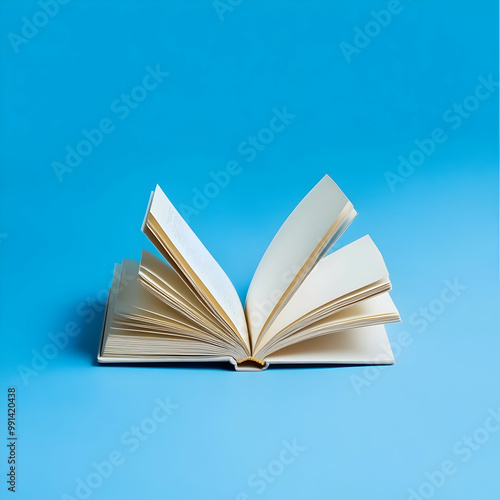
column 304, row 305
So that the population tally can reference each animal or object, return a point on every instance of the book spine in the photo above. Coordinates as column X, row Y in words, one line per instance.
column 249, row 364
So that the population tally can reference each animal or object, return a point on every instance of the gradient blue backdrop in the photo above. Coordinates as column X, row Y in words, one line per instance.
column 353, row 119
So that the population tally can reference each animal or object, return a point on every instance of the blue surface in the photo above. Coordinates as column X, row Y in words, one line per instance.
column 359, row 433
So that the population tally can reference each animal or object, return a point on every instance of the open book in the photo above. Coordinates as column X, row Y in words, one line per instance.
column 303, row 306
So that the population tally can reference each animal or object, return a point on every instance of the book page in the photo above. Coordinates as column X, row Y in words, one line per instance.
column 314, row 225
column 163, row 282
column 159, row 274
column 350, row 268
column 195, row 262
column 137, row 324
column 376, row 310
column 368, row 345
column 134, row 301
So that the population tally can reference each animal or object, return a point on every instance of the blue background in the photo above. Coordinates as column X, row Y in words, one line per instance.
column 60, row 239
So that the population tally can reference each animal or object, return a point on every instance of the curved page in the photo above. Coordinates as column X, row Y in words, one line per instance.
column 315, row 224
column 345, row 271
column 194, row 261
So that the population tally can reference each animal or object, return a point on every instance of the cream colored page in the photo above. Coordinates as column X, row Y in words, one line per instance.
column 367, row 310
column 156, row 273
column 133, row 299
column 373, row 311
column 169, row 278
column 380, row 305
column 368, row 345
column 297, row 238
column 199, row 259
column 346, row 270
column 115, row 347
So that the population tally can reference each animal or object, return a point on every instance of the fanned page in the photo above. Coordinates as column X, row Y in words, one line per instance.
column 141, row 327
column 163, row 282
column 170, row 233
column 352, row 273
column 306, row 235
column 376, row 310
